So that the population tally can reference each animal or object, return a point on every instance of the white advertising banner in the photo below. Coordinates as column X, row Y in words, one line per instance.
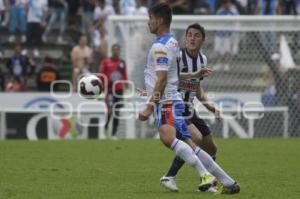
column 40, row 100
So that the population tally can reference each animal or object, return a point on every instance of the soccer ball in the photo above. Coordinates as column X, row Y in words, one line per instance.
column 90, row 86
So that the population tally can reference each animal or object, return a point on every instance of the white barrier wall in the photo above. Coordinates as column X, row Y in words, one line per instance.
column 42, row 116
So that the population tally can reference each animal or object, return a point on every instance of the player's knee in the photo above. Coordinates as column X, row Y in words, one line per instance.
column 166, row 140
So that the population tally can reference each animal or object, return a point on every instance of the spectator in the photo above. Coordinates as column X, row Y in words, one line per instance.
column 19, row 65
column 268, row 7
column 100, row 52
column 240, row 5
column 17, row 16
column 2, row 8
column 101, row 13
column 2, row 81
column 47, row 75
column 127, row 7
column 181, row 7
column 226, row 43
column 81, row 59
column 73, row 7
column 59, row 10
column 269, row 39
column 201, row 7
column 268, row 97
column 37, row 14
column 15, row 85
column 289, row 7
column 252, row 6
column 140, row 8
column 87, row 17
column 115, row 69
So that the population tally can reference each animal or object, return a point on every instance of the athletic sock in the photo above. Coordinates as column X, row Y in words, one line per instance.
column 214, row 168
column 176, row 165
column 185, row 152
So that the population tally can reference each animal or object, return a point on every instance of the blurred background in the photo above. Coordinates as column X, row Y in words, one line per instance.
column 253, row 46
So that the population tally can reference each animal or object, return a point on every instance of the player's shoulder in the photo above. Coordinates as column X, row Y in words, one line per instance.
column 166, row 41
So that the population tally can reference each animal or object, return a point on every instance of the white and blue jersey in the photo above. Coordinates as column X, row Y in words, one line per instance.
column 163, row 56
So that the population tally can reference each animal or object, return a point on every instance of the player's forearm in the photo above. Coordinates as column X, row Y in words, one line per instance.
column 184, row 75
column 202, row 97
column 158, row 90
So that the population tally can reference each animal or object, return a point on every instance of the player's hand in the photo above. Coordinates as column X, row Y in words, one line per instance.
column 203, row 72
column 142, row 92
column 145, row 114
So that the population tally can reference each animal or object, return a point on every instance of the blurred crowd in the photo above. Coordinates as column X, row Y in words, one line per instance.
column 30, row 24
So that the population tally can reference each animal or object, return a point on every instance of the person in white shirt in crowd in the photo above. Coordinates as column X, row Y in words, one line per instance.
column 18, row 17
column 226, row 42
column 59, row 10
column 36, row 22
column 87, row 17
column 101, row 13
column 127, row 7
column 140, row 8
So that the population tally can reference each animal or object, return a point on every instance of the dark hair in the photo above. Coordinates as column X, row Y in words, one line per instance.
column 16, row 78
column 116, row 46
column 48, row 60
column 198, row 27
column 79, row 36
column 162, row 10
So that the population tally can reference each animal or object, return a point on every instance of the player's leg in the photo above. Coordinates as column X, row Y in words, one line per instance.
column 206, row 141
column 109, row 103
column 217, row 171
column 177, row 161
column 116, row 112
column 167, row 135
column 208, row 145
column 207, row 155
column 181, row 148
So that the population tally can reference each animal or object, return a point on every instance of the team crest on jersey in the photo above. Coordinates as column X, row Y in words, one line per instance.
column 160, row 52
column 162, row 60
column 188, row 85
column 174, row 44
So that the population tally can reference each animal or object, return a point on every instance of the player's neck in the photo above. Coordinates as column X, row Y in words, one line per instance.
column 162, row 32
column 192, row 53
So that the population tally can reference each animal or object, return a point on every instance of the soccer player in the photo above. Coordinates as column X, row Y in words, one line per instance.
column 114, row 69
column 161, row 78
column 191, row 63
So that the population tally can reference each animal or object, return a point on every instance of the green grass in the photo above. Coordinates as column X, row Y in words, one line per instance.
column 265, row 169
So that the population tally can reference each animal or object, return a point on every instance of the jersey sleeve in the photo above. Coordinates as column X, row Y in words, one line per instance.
column 161, row 58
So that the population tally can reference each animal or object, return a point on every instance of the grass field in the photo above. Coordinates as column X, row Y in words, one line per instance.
column 265, row 169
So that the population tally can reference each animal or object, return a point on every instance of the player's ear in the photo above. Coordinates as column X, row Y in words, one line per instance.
column 160, row 21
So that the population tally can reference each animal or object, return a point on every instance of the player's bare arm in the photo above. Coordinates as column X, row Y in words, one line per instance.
column 159, row 88
column 202, row 97
column 203, row 72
